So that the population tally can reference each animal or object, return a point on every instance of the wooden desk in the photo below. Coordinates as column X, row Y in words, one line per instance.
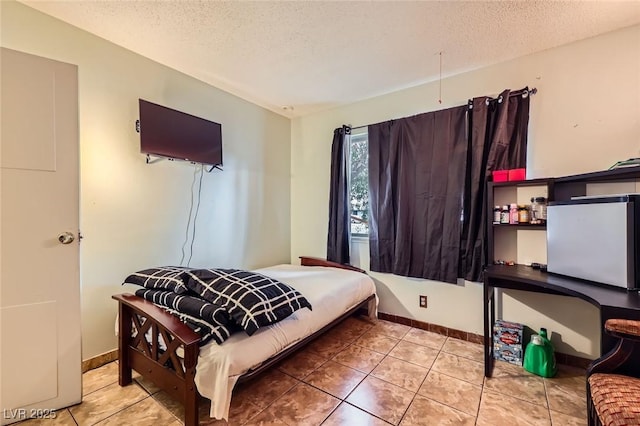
column 611, row 301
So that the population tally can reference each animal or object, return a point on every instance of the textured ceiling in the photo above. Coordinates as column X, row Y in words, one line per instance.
column 314, row 55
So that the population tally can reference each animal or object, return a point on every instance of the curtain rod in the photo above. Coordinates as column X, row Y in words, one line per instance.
column 524, row 93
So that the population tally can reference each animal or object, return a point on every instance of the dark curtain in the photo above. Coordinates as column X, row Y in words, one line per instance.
column 339, row 220
column 498, row 141
column 416, row 182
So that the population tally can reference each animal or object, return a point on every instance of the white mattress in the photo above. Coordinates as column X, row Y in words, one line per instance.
column 331, row 292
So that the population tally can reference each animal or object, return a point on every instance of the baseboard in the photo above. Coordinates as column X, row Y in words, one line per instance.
column 561, row 358
column 99, row 361
column 572, row 360
column 445, row 331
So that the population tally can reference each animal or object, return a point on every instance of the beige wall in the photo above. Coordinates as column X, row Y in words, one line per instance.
column 584, row 118
column 134, row 215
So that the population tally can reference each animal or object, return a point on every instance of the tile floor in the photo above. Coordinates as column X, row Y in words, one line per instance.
column 360, row 373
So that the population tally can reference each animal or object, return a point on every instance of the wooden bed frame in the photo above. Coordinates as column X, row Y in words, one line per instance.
column 164, row 367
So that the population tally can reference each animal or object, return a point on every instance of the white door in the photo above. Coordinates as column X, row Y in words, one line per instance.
column 40, row 348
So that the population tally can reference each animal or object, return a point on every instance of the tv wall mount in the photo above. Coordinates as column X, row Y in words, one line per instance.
column 157, row 159
column 150, row 160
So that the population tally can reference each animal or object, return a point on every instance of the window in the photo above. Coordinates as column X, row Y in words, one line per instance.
column 359, row 182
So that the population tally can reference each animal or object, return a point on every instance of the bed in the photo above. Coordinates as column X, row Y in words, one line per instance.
column 166, row 351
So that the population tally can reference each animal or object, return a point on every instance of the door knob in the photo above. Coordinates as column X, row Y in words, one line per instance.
column 66, row 238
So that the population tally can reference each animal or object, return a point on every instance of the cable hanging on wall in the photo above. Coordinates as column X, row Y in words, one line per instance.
column 186, row 238
column 195, row 217
column 440, row 80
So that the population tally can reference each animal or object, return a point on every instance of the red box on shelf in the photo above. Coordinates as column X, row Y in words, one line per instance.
column 500, row 175
column 517, row 174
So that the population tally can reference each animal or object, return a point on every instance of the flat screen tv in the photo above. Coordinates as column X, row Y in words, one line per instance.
column 174, row 134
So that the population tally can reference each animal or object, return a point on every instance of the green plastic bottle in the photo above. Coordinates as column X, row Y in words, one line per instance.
column 539, row 358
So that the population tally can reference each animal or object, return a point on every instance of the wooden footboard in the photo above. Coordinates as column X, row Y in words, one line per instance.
column 163, row 366
column 317, row 261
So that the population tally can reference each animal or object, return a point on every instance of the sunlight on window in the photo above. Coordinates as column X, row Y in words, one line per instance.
column 359, row 183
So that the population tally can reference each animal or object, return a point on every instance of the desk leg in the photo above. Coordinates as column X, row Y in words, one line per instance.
column 489, row 320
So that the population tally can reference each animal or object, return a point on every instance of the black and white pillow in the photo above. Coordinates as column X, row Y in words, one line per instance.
column 206, row 331
column 169, row 278
column 253, row 300
column 199, row 324
column 214, row 314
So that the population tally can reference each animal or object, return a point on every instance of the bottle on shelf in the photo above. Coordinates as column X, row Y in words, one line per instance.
column 513, row 214
column 504, row 214
column 542, row 206
column 538, row 210
column 497, row 210
column 523, row 214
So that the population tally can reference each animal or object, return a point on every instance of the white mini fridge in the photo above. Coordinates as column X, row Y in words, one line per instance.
column 595, row 239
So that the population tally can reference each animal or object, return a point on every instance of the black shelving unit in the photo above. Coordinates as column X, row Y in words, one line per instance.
column 558, row 189
column 492, row 228
column 612, row 302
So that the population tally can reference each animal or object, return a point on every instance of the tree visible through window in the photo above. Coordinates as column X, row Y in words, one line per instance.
column 359, row 183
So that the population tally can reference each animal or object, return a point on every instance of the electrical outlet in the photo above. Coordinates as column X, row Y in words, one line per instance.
column 423, row 301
